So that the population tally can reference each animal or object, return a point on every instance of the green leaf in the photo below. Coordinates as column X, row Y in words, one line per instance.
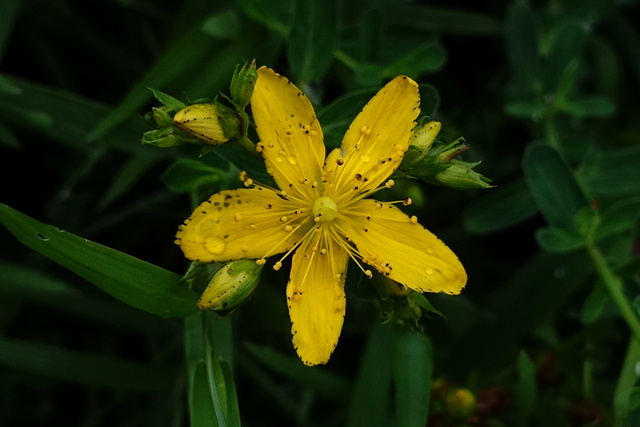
column 135, row 168
column 525, row 394
column 85, row 368
column 566, row 46
column 369, row 397
column 313, row 38
column 612, row 172
column 522, row 43
column 525, row 109
column 618, row 218
column 559, row 240
column 186, row 175
column 132, row 281
column 594, row 304
column 222, row 26
column 552, row 185
column 427, row 57
column 8, row 12
column 336, row 117
column 274, row 14
column 327, row 384
column 413, row 366
column 593, row 106
column 507, row 205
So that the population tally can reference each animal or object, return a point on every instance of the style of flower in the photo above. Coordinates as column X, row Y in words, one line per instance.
column 320, row 212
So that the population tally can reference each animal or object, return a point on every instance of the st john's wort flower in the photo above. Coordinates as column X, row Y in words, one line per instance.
column 321, row 213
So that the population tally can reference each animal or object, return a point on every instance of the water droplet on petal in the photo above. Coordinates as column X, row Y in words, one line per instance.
column 429, row 250
column 292, row 160
column 215, row 245
column 429, row 271
column 365, row 158
column 279, row 159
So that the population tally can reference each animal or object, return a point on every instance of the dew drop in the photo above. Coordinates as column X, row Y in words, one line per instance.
column 429, row 271
column 292, row 160
column 365, row 158
column 429, row 250
column 215, row 245
column 279, row 159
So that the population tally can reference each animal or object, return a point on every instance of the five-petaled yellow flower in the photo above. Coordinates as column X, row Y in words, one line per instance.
column 321, row 213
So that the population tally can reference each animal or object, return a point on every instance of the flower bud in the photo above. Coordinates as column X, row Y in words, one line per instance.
column 242, row 84
column 424, row 136
column 462, row 176
column 460, row 403
column 231, row 286
column 163, row 138
column 210, row 123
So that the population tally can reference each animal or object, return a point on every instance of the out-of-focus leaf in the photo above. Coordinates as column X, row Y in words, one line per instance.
column 501, row 208
column 313, row 39
column 442, row 20
column 525, row 109
column 127, row 177
column 368, row 403
column 559, row 240
column 329, row 385
column 85, row 368
column 132, row 281
column 8, row 13
column 275, row 15
column 413, row 365
column 566, row 45
column 594, row 106
column 222, row 26
column 594, row 304
column 8, row 138
column 336, row 117
column 612, row 172
column 525, row 394
column 521, row 37
column 552, row 185
column 427, row 57
column 619, row 217
column 186, row 175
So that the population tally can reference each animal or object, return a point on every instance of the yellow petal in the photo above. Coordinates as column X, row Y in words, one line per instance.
column 290, row 135
column 246, row 223
column 402, row 249
column 376, row 141
column 316, row 299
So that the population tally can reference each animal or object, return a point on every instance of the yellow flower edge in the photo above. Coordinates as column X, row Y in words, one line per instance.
column 321, row 213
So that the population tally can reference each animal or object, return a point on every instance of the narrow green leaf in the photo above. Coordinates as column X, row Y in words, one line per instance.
column 413, row 366
column 8, row 13
column 559, row 240
column 505, row 206
column 566, row 46
column 368, row 405
column 202, row 410
column 618, row 218
column 521, row 39
column 525, row 394
column 313, row 38
column 136, row 167
column 594, row 304
column 84, row 368
column 593, row 106
column 273, row 14
column 327, row 384
column 612, row 172
column 552, row 185
column 132, row 281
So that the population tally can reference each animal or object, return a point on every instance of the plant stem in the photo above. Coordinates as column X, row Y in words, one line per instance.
column 615, row 287
column 626, row 382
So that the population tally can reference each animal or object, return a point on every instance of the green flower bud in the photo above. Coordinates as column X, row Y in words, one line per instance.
column 460, row 175
column 460, row 403
column 231, row 286
column 242, row 84
column 424, row 136
column 211, row 123
column 163, row 138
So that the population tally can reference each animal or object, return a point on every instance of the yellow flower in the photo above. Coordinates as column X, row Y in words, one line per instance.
column 320, row 212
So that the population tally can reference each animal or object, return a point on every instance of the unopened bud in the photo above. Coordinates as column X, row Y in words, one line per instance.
column 462, row 176
column 424, row 136
column 242, row 84
column 163, row 138
column 231, row 286
column 460, row 403
column 207, row 122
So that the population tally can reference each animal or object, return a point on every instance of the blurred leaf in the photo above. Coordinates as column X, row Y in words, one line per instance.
column 8, row 13
column 566, row 46
column 427, row 57
column 132, row 281
column 611, row 172
column 503, row 207
column 329, row 385
column 594, row 304
column 413, row 365
column 85, row 368
column 525, row 394
column 594, row 106
column 8, row 138
column 552, row 185
column 313, row 38
column 531, row 110
column 336, row 117
column 559, row 240
column 443, row 20
column 625, row 398
column 429, row 100
column 521, row 37
column 186, row 175
column 274, row 14
column 368, row 405
column 619, row 217
column 135, row 168
column 224, row 25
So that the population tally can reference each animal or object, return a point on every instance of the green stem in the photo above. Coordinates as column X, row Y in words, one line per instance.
column 615, row 287
column 550, row 131
column 626, row 382
column 341, row 56
column 248, row 145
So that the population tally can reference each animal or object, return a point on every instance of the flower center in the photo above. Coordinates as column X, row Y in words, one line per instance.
column 325, row 209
